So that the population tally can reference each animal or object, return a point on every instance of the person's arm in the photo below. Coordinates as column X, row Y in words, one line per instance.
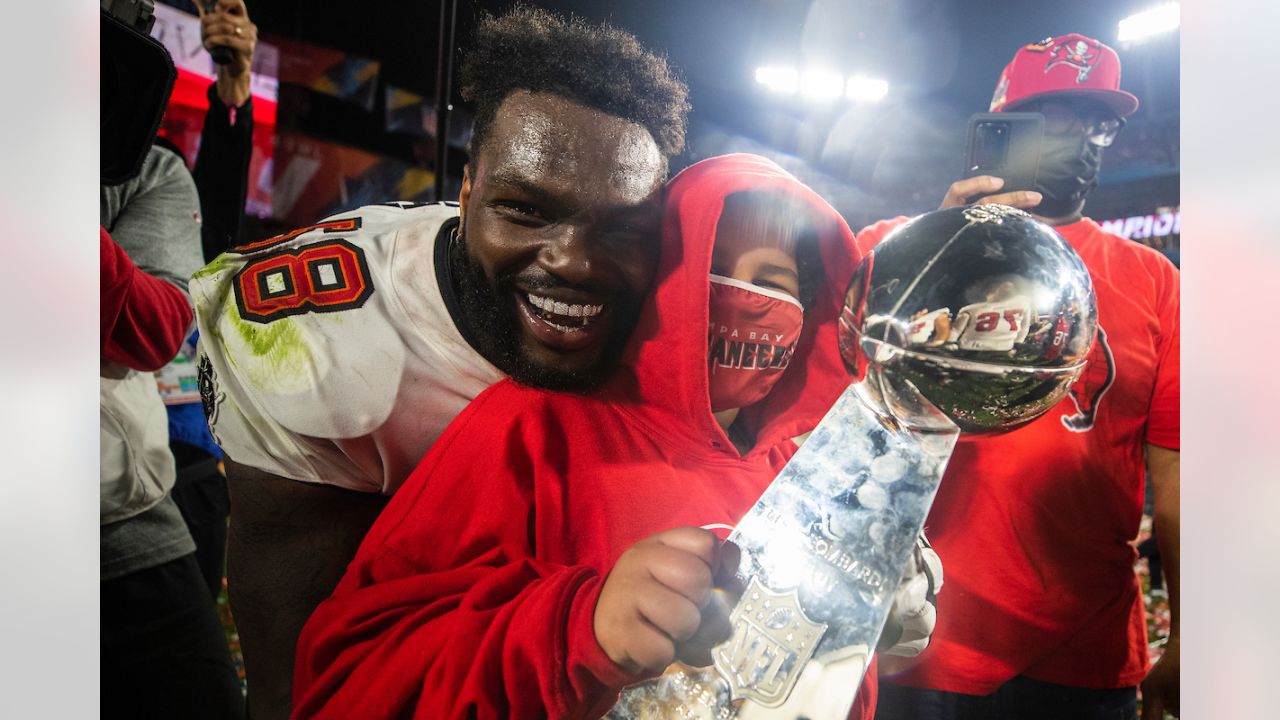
column 143, row 319
column 222, row 174
column 226, row 138
column 288, row 545
column 1160, row 690
column 447, row 610
column 150, row 239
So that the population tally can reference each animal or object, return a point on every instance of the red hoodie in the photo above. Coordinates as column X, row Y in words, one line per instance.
column 474, row 592
column 144, row 318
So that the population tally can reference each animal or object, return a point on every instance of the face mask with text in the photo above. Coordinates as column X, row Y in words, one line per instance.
column 752, row 335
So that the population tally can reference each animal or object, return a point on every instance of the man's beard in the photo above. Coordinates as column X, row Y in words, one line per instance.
column 489, row 313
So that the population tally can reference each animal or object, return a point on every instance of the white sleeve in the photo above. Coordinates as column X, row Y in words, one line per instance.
column 330, row 358
column 279, row 389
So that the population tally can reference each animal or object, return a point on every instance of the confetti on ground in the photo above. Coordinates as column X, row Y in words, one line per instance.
column 229, row 628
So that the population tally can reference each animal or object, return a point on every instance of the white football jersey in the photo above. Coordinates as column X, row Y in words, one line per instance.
column 328, row 355
column 923, row 330
column 994, row 325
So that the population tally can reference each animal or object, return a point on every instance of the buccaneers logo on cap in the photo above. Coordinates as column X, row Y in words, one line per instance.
column 1076, row 53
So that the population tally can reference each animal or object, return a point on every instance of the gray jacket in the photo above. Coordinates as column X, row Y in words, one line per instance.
column 155, row 218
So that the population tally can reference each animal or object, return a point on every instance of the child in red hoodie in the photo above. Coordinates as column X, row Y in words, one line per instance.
column 553, row 548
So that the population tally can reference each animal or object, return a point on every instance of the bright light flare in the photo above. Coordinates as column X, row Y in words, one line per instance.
column 1153, row 21
column 865, row 89
column 818, row 84
column 785, row 80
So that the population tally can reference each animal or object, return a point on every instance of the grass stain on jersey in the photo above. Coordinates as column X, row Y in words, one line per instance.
column 214, row 267
column 280, row 358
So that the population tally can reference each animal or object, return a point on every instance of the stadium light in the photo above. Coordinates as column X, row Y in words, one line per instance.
column 865, row 89
column 783, row 80
column 1152, row 21
column 819, row 84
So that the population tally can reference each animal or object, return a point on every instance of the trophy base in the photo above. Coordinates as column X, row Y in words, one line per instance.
column 689, row 693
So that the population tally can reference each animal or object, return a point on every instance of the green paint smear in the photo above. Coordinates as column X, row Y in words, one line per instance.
column 281, row 355
column 218, row 265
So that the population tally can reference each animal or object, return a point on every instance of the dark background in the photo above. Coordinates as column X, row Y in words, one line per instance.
column 941, row 58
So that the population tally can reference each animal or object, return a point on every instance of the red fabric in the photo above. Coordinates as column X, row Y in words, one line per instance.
column 1034, row 527
column 474, row 592
column 144, row 319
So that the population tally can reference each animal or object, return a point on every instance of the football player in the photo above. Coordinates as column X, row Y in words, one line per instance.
column 333, row 356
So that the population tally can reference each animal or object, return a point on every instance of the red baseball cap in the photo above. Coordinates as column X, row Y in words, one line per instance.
column 1068, row 65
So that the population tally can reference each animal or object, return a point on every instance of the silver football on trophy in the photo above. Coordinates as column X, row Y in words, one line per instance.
column 979, row 317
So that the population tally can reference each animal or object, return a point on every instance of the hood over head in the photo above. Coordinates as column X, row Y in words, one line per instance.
column 667, row 357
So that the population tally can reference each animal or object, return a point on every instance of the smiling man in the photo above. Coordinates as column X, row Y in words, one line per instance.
column 556, row 248
column 335, row 355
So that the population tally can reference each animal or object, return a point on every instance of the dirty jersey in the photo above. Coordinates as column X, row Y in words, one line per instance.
column 328, row 354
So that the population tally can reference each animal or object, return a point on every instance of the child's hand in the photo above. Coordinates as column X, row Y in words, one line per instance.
column 658, row 603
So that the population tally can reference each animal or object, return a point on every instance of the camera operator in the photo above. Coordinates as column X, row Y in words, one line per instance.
column 162, row 649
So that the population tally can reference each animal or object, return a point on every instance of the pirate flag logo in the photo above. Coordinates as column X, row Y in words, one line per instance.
column 1076, row 53
column 1086, row 394
column 772, row 640
column 210, row 398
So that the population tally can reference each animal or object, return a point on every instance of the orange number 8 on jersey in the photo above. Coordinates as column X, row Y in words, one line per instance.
column 324, row 277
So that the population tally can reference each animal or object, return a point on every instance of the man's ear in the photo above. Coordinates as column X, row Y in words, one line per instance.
column 464, row 195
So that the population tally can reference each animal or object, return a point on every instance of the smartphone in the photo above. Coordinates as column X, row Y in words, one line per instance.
column 221, row 54
column 1006, row 145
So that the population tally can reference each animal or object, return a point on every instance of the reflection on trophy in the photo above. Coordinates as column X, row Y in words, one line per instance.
column 973, row 320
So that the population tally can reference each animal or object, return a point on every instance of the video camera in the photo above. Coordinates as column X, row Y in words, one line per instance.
column 137, row 76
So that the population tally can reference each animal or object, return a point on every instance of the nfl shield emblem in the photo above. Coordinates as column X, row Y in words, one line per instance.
column 772, row 640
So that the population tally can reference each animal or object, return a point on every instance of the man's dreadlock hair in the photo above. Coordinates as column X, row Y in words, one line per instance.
column 598, row 66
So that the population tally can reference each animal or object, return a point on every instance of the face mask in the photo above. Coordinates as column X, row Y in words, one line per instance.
column 752, row 336
column 1068, row 172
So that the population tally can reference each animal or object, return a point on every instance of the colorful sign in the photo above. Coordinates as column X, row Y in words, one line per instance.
column 409, row 113
column 315, row 178
column 332, row 72
column 1144, row 227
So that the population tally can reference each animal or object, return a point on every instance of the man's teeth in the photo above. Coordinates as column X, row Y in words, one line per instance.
column 564, row 328
column 548, row 305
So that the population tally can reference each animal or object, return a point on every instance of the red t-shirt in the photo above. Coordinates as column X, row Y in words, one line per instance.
column 1035, row 527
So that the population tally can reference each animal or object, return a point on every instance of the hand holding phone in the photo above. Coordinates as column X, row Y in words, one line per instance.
column 230, row 37
column 1007, row 146
column 221, row 54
